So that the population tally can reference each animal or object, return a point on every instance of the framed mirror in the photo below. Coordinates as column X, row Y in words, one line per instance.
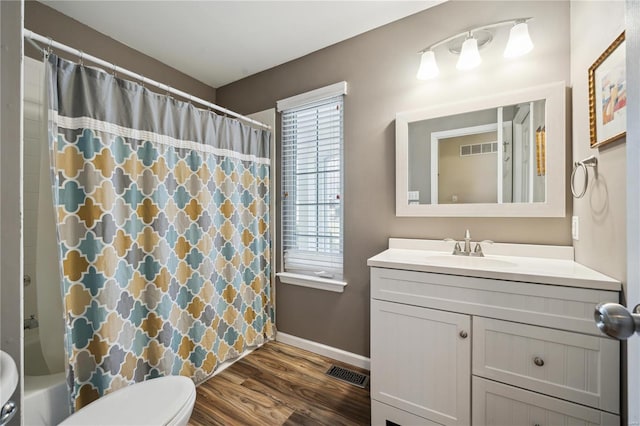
column 497, row 156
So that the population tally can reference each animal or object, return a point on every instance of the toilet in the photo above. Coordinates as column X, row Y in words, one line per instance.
column 163, row 401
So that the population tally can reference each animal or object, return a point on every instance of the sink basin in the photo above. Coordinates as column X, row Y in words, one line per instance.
column 8, row 377
column 468, row 261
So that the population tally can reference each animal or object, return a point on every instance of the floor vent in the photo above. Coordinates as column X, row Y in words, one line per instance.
column 349, row 376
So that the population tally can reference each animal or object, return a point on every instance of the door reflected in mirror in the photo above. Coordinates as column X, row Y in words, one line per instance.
column 496, row 155
column 502, row 155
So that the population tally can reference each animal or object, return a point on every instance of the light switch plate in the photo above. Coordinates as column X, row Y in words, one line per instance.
column 575, row 228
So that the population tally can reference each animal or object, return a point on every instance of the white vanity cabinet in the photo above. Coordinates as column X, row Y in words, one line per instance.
column 410, row 375
column 450, row 349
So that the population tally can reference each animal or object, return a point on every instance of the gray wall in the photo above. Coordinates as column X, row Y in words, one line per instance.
column 602, row 211
column 11, row 201
column 380, row 68
column 48, row 22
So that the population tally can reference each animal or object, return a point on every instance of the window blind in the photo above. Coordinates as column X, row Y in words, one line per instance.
column 312, row 175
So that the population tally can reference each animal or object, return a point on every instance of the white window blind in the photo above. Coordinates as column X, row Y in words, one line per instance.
column 312, row 164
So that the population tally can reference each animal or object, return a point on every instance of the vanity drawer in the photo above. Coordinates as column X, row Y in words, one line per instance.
column 577, row 367
column 564, row 308
column 496, row 404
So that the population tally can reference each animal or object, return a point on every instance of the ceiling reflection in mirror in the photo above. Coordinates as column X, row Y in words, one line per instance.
column 495, row 155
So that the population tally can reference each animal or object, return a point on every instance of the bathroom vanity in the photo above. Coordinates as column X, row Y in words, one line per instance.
column 505, row 339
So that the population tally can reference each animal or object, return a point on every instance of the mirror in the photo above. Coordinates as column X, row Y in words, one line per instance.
column 502, row 155
column 495, row 155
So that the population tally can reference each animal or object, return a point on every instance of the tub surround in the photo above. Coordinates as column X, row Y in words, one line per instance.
column 46, row 399
column 505, row 339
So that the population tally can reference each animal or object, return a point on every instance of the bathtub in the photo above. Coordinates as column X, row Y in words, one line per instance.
column 46, row 399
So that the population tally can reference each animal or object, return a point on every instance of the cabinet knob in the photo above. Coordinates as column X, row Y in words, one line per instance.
column 463, row 334
column 538, row 361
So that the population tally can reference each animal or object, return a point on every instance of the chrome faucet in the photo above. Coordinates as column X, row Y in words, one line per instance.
column 467, row 243
column 477, row 251
column 31, row 322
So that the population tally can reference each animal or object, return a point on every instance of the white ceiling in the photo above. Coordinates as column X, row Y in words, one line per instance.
column 218, row 42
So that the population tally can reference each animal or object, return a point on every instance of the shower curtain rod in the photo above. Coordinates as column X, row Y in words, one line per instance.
column 50, row 43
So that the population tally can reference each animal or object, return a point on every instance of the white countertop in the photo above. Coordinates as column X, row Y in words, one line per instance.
column 528, row 263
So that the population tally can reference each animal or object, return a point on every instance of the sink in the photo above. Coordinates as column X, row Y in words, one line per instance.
column 8, row 377
column 468, row 261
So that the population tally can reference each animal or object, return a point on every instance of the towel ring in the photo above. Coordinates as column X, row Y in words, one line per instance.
column 587, row 162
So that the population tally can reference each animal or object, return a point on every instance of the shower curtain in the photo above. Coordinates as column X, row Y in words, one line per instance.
column 163, row 232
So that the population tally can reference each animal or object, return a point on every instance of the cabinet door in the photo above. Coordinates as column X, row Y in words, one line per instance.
column 421, row 361
column 386, row 415
column 496, row 404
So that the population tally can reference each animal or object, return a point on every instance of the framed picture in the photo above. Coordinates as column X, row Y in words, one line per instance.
column 608, row 95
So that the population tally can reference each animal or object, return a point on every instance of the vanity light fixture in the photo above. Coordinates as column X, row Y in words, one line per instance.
column 468, row 43
column 469, row 54
column 428, row 66
column 519, row 40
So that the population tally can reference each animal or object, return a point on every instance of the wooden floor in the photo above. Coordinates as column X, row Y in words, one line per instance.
column 279, row 384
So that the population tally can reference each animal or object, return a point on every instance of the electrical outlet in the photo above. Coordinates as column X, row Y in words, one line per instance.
column 575, row 228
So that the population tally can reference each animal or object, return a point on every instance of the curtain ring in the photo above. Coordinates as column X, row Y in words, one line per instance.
column 114, row 69
column 49, row 50
column 142, row 81
column 81, row 62
column 169, row 92
column 587, row 162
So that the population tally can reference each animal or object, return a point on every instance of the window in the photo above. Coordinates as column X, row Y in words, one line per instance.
column 312, row 185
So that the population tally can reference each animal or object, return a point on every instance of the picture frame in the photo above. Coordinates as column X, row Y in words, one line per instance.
column 608, row 95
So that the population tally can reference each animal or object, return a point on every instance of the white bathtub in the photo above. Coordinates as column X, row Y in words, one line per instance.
column 46, row 399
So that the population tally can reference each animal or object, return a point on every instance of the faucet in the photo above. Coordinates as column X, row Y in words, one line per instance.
column 31, row 322
column 467, row 243
column 477, row 251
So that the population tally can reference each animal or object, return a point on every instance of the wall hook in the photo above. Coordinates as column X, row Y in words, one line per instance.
column 587, row 162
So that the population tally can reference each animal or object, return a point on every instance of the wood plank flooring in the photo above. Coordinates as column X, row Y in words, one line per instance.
column 279, row 384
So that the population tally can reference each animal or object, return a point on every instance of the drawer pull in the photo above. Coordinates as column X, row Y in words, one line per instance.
column 538, row 361
column 463, row 334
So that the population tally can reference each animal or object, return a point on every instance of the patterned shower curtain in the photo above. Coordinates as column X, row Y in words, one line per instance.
column 163, row 231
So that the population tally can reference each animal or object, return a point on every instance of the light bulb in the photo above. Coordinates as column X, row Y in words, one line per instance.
column 519, row 41
column 469, row 55
column 428, row 66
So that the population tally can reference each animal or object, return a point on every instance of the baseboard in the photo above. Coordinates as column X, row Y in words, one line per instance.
column 322, row 349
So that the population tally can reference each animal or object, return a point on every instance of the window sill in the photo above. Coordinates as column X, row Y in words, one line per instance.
column 312, row 282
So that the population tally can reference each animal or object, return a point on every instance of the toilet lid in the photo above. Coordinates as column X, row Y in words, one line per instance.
column 152, row 402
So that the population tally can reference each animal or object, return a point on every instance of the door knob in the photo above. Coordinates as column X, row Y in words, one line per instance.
column 615, row 321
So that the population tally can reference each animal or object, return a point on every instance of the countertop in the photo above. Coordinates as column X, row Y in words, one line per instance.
column 536, row 264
